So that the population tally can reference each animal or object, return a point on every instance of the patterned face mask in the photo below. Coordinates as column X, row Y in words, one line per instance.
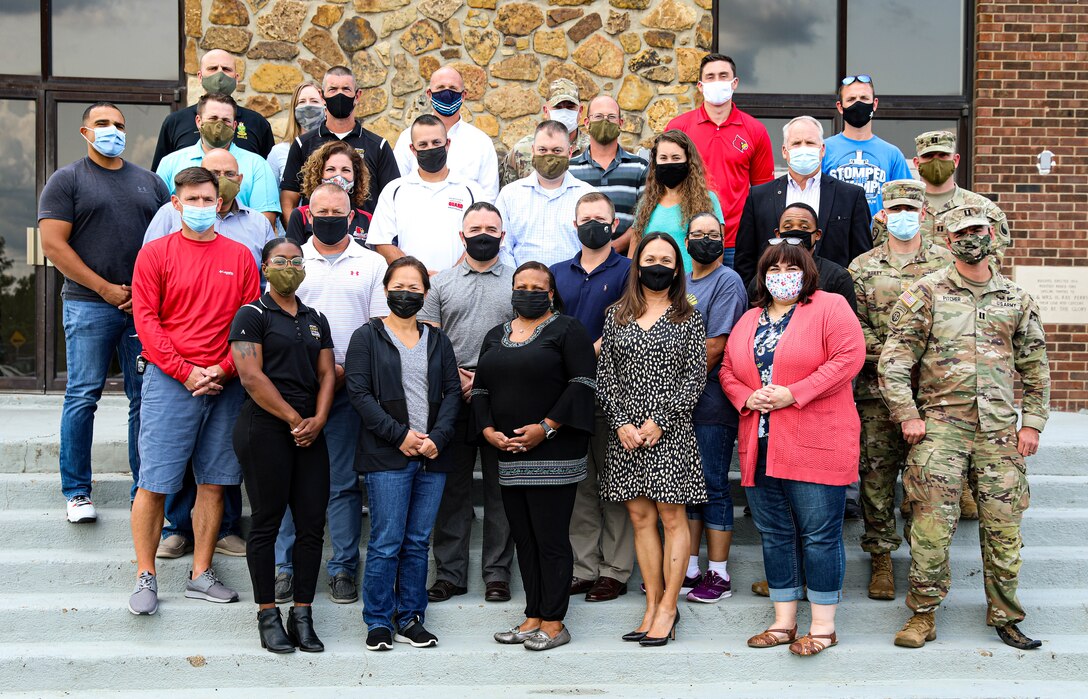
column 971, row 249
column 785, row 286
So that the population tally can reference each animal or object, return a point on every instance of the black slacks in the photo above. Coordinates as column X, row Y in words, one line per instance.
column 539, row 519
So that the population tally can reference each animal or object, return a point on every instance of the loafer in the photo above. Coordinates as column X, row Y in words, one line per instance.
column 174, row 546
column 231, row 545
column 542, row 641
column 442, row 590
column 578, row 586
column 515, row 636
column 497, row 591
column 285, row 588
column 606, row 589
column 342, row 589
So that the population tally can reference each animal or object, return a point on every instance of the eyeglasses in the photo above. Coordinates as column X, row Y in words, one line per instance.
column 614, row 118
column 789, row 241
column 863, row 78
column 229, row 174
column 282, row 262
column 699, row 235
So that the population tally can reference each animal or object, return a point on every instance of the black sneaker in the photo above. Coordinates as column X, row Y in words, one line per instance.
column 414, row 633
column 342, row 589
column 853, row 510
column 380, row 638
column 285, row 588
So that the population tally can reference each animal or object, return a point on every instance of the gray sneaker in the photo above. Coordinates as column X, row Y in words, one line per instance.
column 145, row 598
column 207, row 587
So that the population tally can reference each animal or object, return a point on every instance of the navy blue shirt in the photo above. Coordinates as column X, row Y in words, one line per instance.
column 586, row 295
column 721, row 299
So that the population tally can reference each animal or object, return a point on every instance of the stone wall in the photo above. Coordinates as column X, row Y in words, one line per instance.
column 644, row 52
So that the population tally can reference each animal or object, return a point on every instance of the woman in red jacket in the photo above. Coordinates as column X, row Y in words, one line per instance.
column 788, row 367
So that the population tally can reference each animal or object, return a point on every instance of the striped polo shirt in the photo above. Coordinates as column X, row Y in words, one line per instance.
column 622, row 182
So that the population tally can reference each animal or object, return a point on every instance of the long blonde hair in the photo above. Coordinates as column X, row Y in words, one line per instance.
column 694, row 195
column 293, row 128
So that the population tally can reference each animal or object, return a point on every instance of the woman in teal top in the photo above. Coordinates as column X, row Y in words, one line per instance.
column 676, row 189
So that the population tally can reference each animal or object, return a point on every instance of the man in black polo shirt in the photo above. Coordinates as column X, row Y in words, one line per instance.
column 341, row 96
column 219, row 76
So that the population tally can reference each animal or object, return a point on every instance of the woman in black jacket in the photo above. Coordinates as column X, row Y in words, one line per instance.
column 402, row 380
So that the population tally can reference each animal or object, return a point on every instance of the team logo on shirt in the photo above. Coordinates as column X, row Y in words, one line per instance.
column 456, row 204
column 693, row 300
column 315, row 331
column 740, row 144
column 241, row 132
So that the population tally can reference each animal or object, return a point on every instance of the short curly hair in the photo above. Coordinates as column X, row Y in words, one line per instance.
column 311, row 171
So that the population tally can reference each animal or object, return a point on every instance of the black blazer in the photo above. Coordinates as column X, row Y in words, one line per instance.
column 843, row 218
column 375, row 385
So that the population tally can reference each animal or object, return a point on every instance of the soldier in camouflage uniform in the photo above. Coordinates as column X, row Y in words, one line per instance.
column 967, row 331
column 880, row 276
column 562, row 100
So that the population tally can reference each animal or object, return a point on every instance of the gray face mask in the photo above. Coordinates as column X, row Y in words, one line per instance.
column 309, row 116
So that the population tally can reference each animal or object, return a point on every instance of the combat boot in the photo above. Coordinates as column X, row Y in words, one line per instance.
column 882, row 581
column 968, row 506
column 919, row 628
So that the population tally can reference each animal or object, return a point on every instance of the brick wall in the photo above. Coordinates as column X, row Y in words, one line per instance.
column 1031, row 93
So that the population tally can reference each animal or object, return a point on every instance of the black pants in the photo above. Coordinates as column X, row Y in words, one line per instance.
column 276, row 474
column 540, row 525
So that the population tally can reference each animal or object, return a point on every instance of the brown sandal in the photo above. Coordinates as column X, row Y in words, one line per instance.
column 808, row 645
column 767, row 639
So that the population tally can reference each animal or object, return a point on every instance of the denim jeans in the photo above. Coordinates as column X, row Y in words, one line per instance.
column 801, row 526
column 93, row 332
column 345, row 513
column 716, row 449
column 403, row 505
column 179, row 509
column 727, row 257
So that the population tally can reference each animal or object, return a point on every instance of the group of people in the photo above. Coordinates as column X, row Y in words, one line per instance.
column 596, row 329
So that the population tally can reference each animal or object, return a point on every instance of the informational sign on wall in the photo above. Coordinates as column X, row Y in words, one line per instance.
column 1061, row 292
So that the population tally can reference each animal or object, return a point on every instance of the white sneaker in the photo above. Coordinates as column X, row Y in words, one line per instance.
column 81, row 510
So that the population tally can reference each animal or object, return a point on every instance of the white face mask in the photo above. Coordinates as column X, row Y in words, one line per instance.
column 718, row 92
column 566, row 117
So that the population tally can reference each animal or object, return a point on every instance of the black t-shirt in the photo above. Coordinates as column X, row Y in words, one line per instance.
column 109, row 211
column 179, row 130
column 375, row 150
column 301, row 225
column 290, row 347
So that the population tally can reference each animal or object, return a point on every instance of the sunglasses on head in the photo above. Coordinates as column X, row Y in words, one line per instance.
column 851, row 79
column 789, row 241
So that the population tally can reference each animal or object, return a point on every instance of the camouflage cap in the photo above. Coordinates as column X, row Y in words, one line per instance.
column 562, row 90
column 964, row 217
column 935, row 142
column 909, row 192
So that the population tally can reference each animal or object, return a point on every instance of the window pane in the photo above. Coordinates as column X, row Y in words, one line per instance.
column 20, row 37
column 901, row 133
column 910, row 47
column 18, row 211
column 780, row 46
column 129, row 39
column 774, row 130
column 142, row 123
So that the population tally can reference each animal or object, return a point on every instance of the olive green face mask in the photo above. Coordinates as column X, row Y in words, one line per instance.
column 217, row 134
column 285, row 280
column 604, row 131
column 936, row 171
column 552, row 166
column 228, row 190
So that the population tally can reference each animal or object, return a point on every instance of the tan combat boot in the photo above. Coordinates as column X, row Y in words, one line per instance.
column 882, row 581
column 919, row 628
column 968, row 506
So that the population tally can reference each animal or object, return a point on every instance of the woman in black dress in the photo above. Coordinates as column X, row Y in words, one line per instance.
column 533, row 401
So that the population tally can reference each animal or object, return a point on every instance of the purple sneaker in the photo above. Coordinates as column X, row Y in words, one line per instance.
column 711, row 589
column 687, row 586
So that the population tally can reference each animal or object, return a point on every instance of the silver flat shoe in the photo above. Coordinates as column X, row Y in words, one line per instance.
column 514, row 636
column 542, row 641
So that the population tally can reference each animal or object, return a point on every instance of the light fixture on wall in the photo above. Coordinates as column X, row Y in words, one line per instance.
column 1045, row 161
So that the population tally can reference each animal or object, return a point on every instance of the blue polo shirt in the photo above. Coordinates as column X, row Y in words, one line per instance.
column 260, row 191
column 586, row 295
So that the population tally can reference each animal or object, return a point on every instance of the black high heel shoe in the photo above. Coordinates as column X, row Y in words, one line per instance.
column 300, row 630
column 634, row 636
column 650, row 641
column 273, row 637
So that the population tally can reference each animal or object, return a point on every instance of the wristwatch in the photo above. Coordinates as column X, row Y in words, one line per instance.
column 549, row 431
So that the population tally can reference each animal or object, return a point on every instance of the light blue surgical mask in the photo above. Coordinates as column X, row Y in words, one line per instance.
column 108, row 140
column 198, row 218
column 904, row 225
column 804, row 160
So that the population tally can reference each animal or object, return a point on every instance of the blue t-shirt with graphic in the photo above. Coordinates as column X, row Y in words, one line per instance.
column 868, row 164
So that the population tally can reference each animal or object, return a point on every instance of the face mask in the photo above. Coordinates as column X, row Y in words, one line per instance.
column 404, row 304
column 446, row 102
column 604, row 131
column 904, row 225
column 971, row 249
column 704, row 250
column 595, row 234
column 566, row 117
column 718, row 92
column 858, row 114
column 341, row 182
column 217, row 134
column 340, row 106
column 785, row 286
column 330, row 230
column 219, row 84
column 108, row 140
column 432, row 160
column 804, row 160
column 656, row 277
column 672, row 174
column 482, row 247
column 936, row 171
column 228, row 190
column 285, row 280
column 530, row 304
column 551, row 167
column 198, row 218
column 309, row 116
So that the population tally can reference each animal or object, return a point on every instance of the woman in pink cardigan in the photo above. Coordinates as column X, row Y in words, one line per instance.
column 788, row 367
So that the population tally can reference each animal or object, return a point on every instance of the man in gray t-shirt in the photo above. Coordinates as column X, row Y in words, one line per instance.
column 92, row 215
column 467, row 301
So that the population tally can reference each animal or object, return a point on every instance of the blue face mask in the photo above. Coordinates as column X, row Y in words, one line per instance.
column 198, row 218
column 446, row 102
column 109, row 141
column 904, row 225
column 804, row 160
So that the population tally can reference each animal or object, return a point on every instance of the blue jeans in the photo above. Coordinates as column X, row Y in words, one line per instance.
column 93, row 331
column 179, row 510
column 801, row 526
column 403, row 505
column 727, row 257
column 716, row 449
column 345, row 513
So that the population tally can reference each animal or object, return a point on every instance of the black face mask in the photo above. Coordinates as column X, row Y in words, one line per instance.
column 594, row 234
column 704, row 250
column 482, row 247
column 432, row 159
column 672, row 174
column 340, row 106
column 530, row 304
column 656, row 277
column 404, row 304
column 330, row 230
column 858, row 114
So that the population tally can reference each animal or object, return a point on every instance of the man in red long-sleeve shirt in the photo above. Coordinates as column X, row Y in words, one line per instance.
column 186, row 289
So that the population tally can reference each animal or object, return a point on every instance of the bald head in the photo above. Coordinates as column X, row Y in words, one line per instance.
column 446, row 78
column 329, row 200
column 220, row 162
column 604, row 104
column 217, row 61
